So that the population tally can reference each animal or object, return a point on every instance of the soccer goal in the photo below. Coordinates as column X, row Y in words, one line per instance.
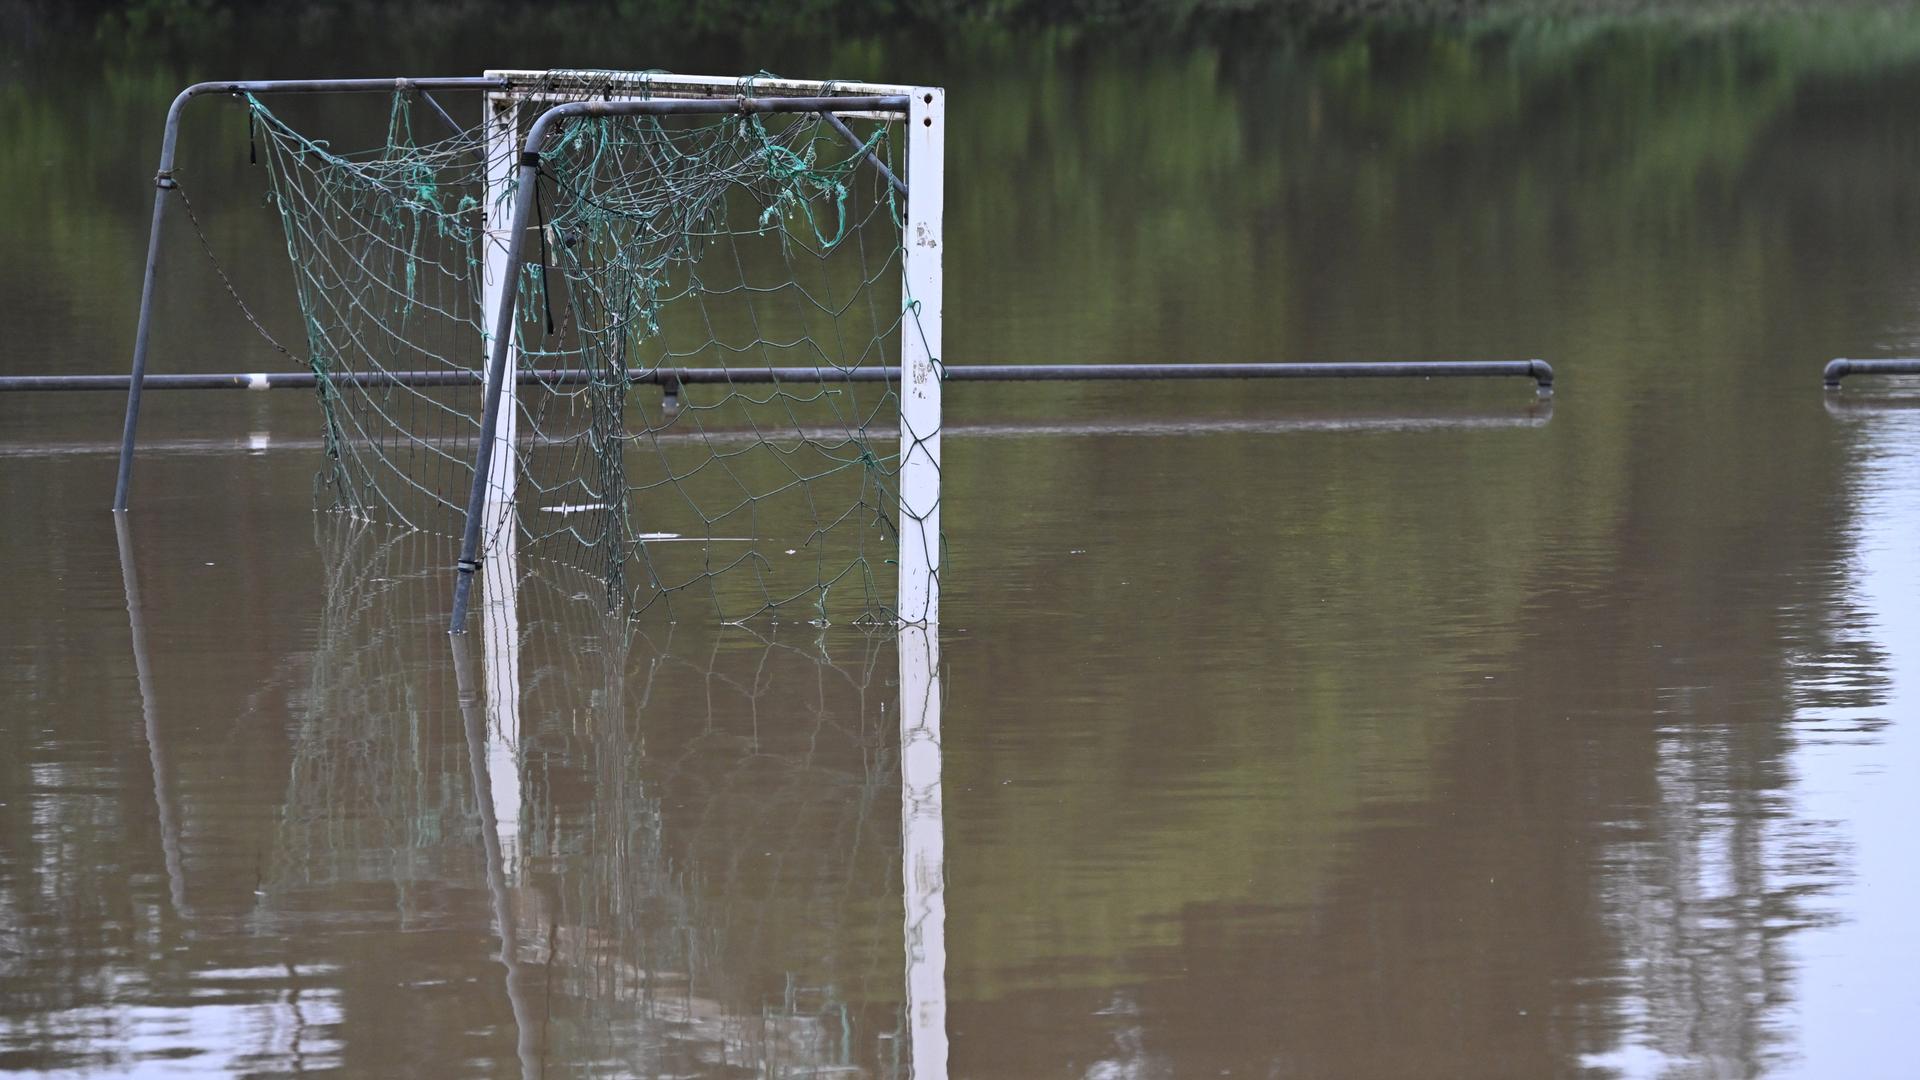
column 676, row 335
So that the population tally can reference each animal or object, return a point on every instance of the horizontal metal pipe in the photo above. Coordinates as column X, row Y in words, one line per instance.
column 1840, row 369
column 1537, row 370
column 537, row 134
column 343, row 86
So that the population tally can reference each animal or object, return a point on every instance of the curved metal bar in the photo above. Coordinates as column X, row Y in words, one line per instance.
column 1840, row 369
column 163, row 182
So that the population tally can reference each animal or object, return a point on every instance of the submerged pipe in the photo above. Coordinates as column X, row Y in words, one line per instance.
column 1840, row 369
column 162, row 182
column 1538, row 370
column 673, row 377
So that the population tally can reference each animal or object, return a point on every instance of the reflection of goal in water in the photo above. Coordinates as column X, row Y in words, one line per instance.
column 687, row 843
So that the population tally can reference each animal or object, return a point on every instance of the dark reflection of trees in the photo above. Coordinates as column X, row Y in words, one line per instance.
column 1606, row 874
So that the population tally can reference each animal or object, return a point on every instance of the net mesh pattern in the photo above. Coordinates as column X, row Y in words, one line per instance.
column 699, row 869
column 761, row 254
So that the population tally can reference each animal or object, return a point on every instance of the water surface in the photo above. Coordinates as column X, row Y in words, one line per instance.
column 1357, row 730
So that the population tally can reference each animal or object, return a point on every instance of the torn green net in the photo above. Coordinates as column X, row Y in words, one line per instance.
column 723, row 243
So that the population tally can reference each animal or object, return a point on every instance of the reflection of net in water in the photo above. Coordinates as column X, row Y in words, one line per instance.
column 376, row 790
column 701, row 867
column 720, row 845
column 714, row 242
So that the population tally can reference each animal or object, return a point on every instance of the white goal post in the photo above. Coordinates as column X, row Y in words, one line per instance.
column 524, row 111
column 398, row 273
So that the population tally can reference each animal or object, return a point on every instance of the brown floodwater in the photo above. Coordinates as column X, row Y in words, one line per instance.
column 1373, row 730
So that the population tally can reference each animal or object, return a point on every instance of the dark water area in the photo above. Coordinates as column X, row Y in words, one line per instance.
column 1367, row 730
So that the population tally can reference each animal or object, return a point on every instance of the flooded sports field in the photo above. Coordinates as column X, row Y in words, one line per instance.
column 1363, row 728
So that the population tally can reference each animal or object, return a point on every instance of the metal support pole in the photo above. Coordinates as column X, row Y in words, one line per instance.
column 163, row 180
column 673, row 379
column 840, row 127
column 163, row 183
column 447, row 119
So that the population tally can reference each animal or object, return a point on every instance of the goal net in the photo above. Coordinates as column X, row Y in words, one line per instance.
column 721, row 384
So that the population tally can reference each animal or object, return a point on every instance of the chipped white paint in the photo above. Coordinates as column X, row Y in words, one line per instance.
column 925, row 142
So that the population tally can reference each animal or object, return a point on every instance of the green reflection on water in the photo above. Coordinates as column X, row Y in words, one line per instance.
column 1684, row 216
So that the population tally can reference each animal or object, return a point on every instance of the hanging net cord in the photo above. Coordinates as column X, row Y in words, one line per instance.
column 727, row 243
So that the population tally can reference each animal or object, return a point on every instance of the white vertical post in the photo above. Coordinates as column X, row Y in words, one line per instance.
column 499, row 566
column 925, row 140
column 503, row 159
column 923, row 848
